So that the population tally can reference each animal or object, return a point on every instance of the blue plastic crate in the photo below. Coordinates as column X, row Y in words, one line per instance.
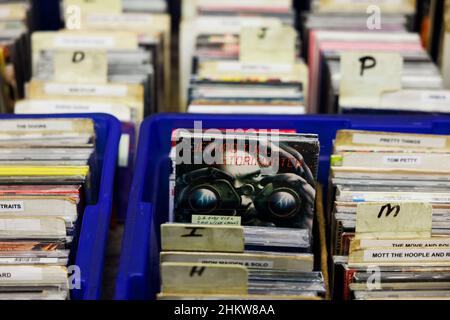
column 91, row 243
column 148, row 204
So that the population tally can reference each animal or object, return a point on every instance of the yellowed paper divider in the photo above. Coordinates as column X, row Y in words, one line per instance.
column 95, row 6
column 209, row 238
column 400, row 220
column 186, row 278
column 274, row 45
column 81, row 66
column 367, row 75
column 385, row 6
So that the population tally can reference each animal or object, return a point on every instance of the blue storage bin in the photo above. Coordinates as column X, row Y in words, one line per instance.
column 149, row 202
column 91, row 243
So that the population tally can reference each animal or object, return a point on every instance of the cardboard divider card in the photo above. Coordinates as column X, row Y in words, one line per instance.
column 393, row 220
column 81, row 66
column 203, row 279
column 211, row 238
column 274, row 45
column 367, row 75
column 388, row 6
column 91, row 6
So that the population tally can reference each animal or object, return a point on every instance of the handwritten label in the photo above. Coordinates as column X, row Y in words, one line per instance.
column 366, row 76
column 212, row 238
column 12, row 206
column 268, row 45
column 300, row 263
column 399, row 140
column 208, row 219
column 81, row 66
column 93, row 19
column 185, row 278
column 393, row 220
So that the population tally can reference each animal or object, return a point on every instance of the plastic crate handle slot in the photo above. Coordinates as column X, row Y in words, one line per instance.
column 133, row 281
column 91, row 250
column 95, row 226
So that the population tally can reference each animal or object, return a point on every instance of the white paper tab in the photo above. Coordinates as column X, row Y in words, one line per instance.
column 208, row 219
column 20, row 274
column 254, row 68
column 80, row 89
column 11, row 206
column 407, row 255
column 406, row 243
column 121, row 112
column 36, row 125
column 402, row 160
column 399, row 140
column 20, row 224
column 82, row 41
column 28, row 261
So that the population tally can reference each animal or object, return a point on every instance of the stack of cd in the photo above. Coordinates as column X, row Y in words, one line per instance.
column 344, row 38
column 15, row 67
column 137, row 45
column 419, row 78
column 210, row 262
column 109, row 62
column 44, row 170
column 261, row 180
column 91, row 72
column 242, row 58
column 391, row 171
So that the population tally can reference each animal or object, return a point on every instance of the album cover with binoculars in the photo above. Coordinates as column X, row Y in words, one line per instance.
column 263, row 178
